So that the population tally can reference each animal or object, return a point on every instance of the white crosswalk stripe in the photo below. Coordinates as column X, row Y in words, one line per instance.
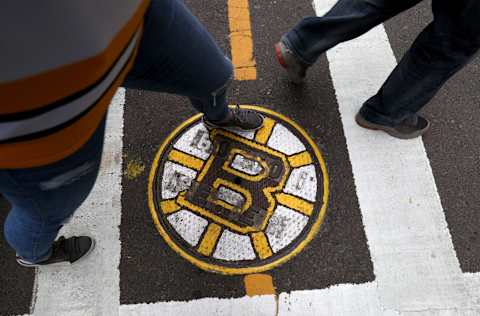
column 92, row 286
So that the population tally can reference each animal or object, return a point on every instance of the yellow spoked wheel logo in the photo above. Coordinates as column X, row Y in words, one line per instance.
column 238, row 203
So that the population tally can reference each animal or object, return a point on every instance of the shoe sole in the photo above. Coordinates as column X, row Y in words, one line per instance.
column 61, row 263
column 211, row 126
column 280, row 55
column 389, row 130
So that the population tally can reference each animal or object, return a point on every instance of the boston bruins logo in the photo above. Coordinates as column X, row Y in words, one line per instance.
column 234, row 202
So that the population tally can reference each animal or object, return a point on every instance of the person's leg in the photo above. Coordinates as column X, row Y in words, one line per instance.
column 348, row 19
column 443, row 48
column 178, row 55
column 43, row 198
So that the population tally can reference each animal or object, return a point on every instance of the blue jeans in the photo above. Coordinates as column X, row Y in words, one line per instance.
column 176, row 55
column 439, row 51
column 43, row 198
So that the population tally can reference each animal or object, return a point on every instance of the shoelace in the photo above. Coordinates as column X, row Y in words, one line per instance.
column 239, row 114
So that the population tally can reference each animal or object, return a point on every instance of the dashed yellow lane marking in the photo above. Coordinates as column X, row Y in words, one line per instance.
column 261, row 245
column 210, row 239
column 295, row 203
column 300, row 159
column 264, row 133
column 186, row 160
column 259, row 284
column 169, row 206
column 241, row 40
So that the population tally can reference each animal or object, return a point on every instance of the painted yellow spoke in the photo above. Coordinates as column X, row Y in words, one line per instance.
column 300, row 159
column 295, row 203
column 209, row 239
column 261, row 245
column 186, row 160
column 169, row 206
column 264, row 133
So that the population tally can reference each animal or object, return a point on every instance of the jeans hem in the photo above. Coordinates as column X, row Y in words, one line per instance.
column 374, row 116
column 290, row 43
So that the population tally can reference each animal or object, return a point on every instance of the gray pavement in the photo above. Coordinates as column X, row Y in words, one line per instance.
column 150, row 271
column 453, row 143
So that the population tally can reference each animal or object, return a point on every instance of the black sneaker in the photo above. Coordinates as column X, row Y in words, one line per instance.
column 238, row 119
column 296, row 69
column 412, row 127
column 64, row 250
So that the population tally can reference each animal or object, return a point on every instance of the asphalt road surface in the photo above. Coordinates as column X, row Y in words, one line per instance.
column 427, row 263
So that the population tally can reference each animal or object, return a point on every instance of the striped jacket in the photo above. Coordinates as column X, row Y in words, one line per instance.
column 60, row 65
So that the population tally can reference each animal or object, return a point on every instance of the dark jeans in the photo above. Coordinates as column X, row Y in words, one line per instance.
column 44, row 198
column 176, row 55
column 440, row 50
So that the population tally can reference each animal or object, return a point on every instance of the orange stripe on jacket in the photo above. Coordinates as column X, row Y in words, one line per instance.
column 54, row 147
column 45, row 88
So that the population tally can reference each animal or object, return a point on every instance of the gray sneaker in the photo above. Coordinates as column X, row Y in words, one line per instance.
column 296, row 69
column 412, row 127
column 238, row 119
column 64, row 250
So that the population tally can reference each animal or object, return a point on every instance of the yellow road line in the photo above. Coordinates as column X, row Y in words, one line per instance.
column 259, row 284
column 300, row 159
column 295, row 203
column 261, row 245
column 210, row 239
column 241, row 40
column 186, row 160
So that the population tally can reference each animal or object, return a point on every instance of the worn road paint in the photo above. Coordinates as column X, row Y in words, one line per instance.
column 259, row 284
column 206, row 187
column 264, row 305
column 241, row 41
column 134, row 169
column 415, row 265
column 92, row 286
column 341, row 299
